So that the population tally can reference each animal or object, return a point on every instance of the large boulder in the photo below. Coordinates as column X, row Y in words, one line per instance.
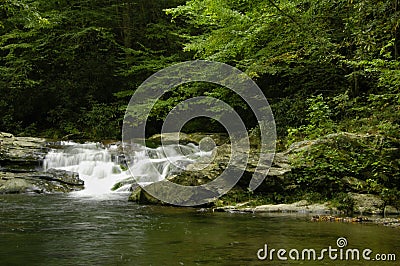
column 39, row 182
column 21, row 171
column 367, row 203
column 21, row 152
column 182, row 198
column 15, row 186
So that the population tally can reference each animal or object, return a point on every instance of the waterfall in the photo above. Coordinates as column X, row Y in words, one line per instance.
column 102, row 168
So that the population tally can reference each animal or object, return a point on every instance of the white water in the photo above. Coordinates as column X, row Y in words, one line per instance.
column 100, row 167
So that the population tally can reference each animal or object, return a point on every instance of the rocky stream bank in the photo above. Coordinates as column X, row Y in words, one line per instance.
column 282, row 179
column 21, row 171
column 21, row 168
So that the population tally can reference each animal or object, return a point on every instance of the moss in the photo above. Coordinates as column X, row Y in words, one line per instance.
column 117, row 186
column 343, row 202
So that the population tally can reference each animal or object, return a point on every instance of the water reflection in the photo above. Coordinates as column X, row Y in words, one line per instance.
column 62, row 230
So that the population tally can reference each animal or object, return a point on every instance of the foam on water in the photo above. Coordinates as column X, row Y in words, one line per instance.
column 100, row 167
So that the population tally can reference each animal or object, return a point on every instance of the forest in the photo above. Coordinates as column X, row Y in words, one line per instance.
column 69, row 68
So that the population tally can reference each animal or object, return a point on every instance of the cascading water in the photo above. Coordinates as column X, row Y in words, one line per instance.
column 101, row 168
column 96, row 165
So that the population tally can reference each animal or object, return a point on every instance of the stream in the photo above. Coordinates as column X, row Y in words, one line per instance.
column 96, row 226
column 61, row 229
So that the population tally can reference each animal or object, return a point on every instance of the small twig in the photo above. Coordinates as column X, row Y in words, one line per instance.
column 281, row 11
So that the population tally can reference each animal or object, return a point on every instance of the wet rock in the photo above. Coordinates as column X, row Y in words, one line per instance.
column 15, row 186
column 39, row 182
column 21, row 152
column 141, row 196
column 275, row 171
column 367, row 203
column 218, row 138
column 135, row 195
column 60, row 176
column 390, row 210
column 183, row 138
column 21, row 171
column 390, row 222
column 131, row 182
column 173, row 197
column 302, row 206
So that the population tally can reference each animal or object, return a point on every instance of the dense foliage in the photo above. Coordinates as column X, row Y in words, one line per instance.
column 68, row 68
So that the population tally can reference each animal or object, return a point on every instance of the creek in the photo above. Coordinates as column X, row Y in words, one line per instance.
column 96, row 226
column 101, row 168
column 62, row 229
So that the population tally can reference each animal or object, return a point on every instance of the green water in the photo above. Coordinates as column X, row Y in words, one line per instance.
column 64, row 230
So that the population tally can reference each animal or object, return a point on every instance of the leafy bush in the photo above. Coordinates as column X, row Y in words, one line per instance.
column 325, row 164
column 318, row 118
column 343, row 202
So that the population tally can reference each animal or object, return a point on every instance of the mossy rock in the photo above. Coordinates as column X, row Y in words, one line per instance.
column 183, row 138
column 16, row 186
column 172, row 196
column 367, row 203
column 140, row 196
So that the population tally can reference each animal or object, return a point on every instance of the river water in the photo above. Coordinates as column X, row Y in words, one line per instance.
column 66, row 229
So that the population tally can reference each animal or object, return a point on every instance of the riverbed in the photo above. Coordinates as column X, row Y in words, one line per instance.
column 68, row 229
